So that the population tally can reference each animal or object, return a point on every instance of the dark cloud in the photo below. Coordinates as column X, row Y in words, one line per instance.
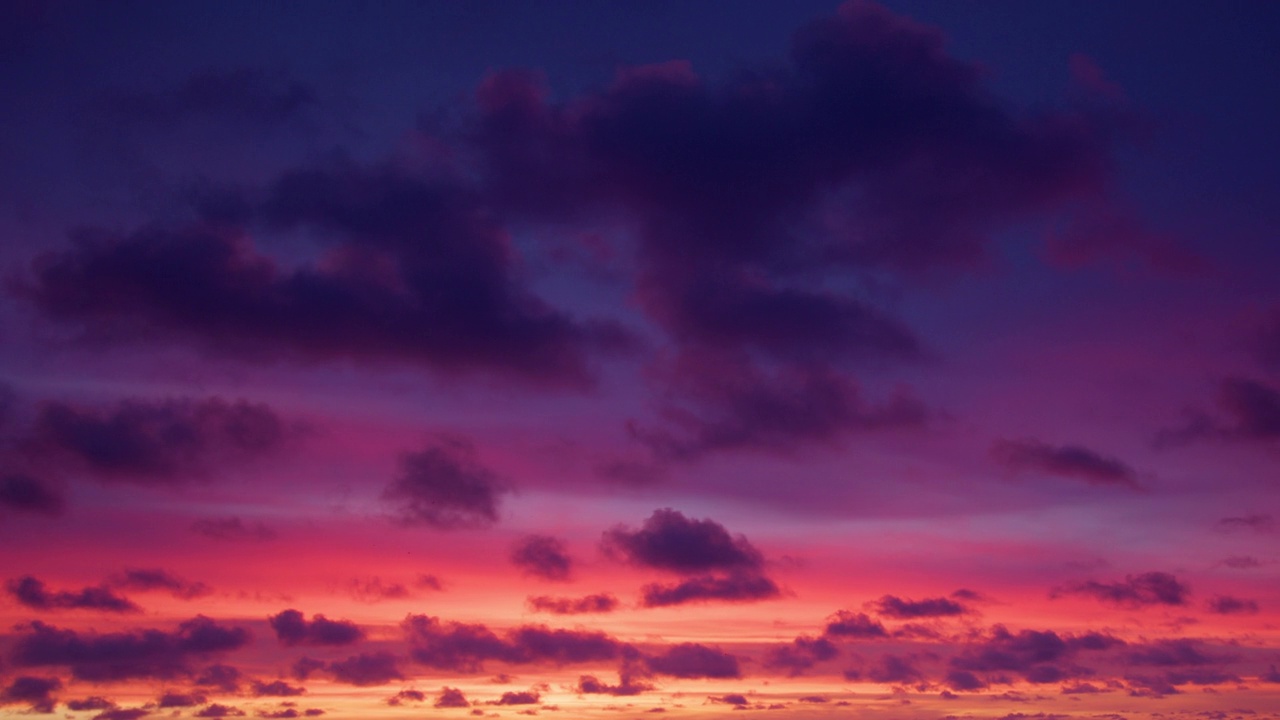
column 32, row 593
column 145, row 579
column 153, row 443
column 895, row 670
column 1242, row 562
column 736, row 587
column 223, row 677
column 304, row 667
column 896, row 607
column 543, row 556
column 964, row 680
column 846, row 624
column 366, row 669
column 25, row 494
column 292, row 628
column 93, row 702
column 1152, row 588
column 670, row 541
column 519, row 698
column 627, row 686
column 217, row 710
column 405, row 696
column 445, row 486
column 466, row 647
column 232, row 529
column 1251, row 413
column 275, row 688
column 738, row 700
column 414, row 271
column 238, row 94
column 694, row 660
column 801, row 654
column 125, row 655
column 1228, row 605
column 1037, row 656
column 451, row 698
column 180, row 700
column 36, row 692
column 1257, row 522
column 598, row 603
column 1071, row 461
column 1172, row 653
column 718, row 401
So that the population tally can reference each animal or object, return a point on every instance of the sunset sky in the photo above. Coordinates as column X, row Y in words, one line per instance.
column 899, row 361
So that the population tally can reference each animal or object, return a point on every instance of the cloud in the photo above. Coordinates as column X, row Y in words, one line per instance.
column 223, row 677
column 152, row 443
column 37, row 692
column 895, row 670
column 1038, row 656
column 374, row 590
column 466, row 647
column 736, row 587
column 1228, row 605
column 93, row 702
column 146, row 579
column 291, row 628
column 1072, row 461
column 451, row 698
column 365, row 669
column 626, row 687
column 846, row 624
column 1152, row 588
column 275, row 688
column 694, row 660
column 125, row 655
column 122, row 714
column 25, row 494
column 232, row 529
column 519, row 698
column 670, row 541
column 1252, row 414
column 444, row 486
column 801, row 654
column 1258, row 523
column 598, row 603
column 717, row 402
column 1171, row 653
column 896, row 607
column 414, row 271
column 542, row 556
column 32, row 593
column 180, row 700
column 1242, row 562
column 406, row 696
column 217, row 710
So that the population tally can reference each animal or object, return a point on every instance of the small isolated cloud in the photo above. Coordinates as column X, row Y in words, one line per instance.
column 33, row 594
column 898, row 608
column 275, row 688
column 444, row 486
column 542, row 556
column 1258, row 522
column 25, row 494
column 35, row 692
column 670, row 541
column 1070, row 461
column 626, row 687
column 1228, row 605
column 527, row 697
column 847, row 624
column 232, row 529
column 149, row 579
column 597, row 603
column 451, row 698
column 1152, row 588
column 694, row 660
column 292, row 628
column 735, row 587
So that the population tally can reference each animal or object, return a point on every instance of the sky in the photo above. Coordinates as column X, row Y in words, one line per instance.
column 901, row 360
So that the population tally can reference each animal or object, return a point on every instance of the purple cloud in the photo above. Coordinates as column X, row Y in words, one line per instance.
column 801, row 654
column 1228, row 605
column 846, row 624
column 1072, row 461
column 445, row 486
column 694, row 660
column 451, row 698
column 466, row 647
column 896, row 607
column 736, row 587
column 1152, row 588
column 32, row 593
column 25, row 494
column 366, row 669
column 598, row 603
column 670, row 541
column 37, row 692
column 147, row 579
column 543, row 556
column 292, row 628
